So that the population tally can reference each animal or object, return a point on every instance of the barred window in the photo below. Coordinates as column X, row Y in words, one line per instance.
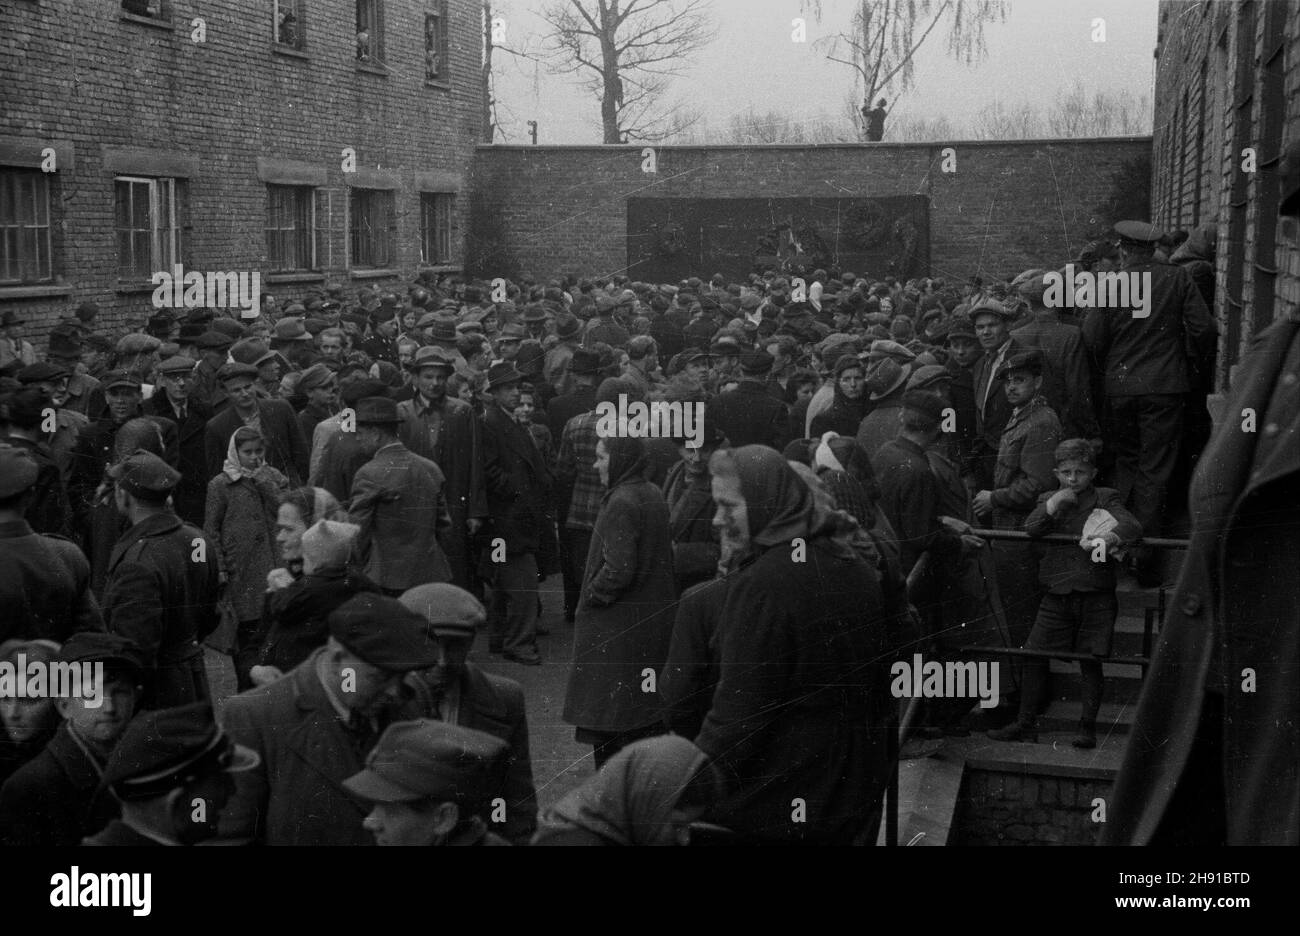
column 154, row 9
column 291, row 228
column 372, row 228
column 436, row 46
column 25, row 227
column 370, row 31
column 149, row 224
column 287, row 23
column 436, row 214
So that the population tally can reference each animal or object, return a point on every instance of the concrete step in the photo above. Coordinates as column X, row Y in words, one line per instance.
column 1063, row 715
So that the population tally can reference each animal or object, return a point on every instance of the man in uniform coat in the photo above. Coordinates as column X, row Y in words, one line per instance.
column 56, row 798
column 1145, row 363
column 399, row 500
column 176, row 375
column 749, row 414
column 459, row 692
column 314, row 727
column 162, row 584
column 286, row 449
column 44, row 580
column 1214, row 755
column 444, row 431
column 518, row 486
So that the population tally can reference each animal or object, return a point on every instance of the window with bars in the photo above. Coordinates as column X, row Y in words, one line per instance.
column 154, row 9
column 372, row 228
column 370, row 31
column 291, row 228
column 287, row 23
column 437, row 211
column 149, row 223
column 25, row 227
column 436, row 45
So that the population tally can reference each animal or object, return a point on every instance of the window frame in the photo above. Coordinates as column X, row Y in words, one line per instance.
column 304, row 210
column 298, row 9
column 164, row 254
column 356, row 210
column 374, row 26
column 41, row 194
column 437, row 223
column 439, row 17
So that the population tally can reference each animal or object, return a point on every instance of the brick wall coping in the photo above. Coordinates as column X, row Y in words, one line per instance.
column 637, row 147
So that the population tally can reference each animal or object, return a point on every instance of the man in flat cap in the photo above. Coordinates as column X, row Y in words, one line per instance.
column 444, row 431
column 431, row 783
column 314, row 727
column 400, row 501
column 173, row 772
column 518, row 487
column 56, row 798
column 44, row 580
column 1207, row 762
column 162, row 583
column 212, row 347
column 191, row 415
column 320, row 386
column 458, row 692
column 750, row 414
column 1149, row 363
column 1067, row 371
column 12, row 346
column 992, row 322
column 23, row 413
column 1026, row 467
column 286, row 448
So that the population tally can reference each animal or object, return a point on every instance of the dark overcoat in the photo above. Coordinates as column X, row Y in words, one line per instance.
column 518, row 483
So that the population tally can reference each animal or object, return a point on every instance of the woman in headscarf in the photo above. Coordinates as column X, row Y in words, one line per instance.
column 240, row 520
column 646, row 794
column 625, row 613
column 800, row 641
column 849, row 404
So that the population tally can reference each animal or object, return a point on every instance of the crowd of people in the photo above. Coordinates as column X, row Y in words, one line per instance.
column 341, row 493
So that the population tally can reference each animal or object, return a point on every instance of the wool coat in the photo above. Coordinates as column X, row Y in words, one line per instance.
column 240, row 522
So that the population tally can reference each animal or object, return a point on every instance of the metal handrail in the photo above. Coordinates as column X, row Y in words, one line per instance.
column 1158, row 542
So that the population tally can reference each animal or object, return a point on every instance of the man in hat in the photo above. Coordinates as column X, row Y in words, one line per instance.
column 94, row 452
column 992, row 322
column 509, row 339
column 725, row 350
column 580, row 401
column 212, row 347
column 643, row 363
column 176, row 376
column 536, row 320
column 964, row 353
column 1067, row 376
column 12, row 346
column 44, row 580
column 65, row 351
column 444, row 430
column 518, row 487
column 569, row 332
column 431, row 783
column 603, row 327
column 886, row 382
column 399, row 499
column 458, row 692
column 1026, row 467
column 320, row 386
column 22, row 414
column 173, row 772
column 1149, row 363
column 56, row 798
column 314, row 727
column 384, row 324
column 162, row 583
column 1208, row 763
column 749, row 414
column 336, row 455
column 286, row 448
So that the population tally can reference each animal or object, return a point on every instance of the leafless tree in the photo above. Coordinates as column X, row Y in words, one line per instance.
column 490, row 123
column 628, row 51
column 883, row 37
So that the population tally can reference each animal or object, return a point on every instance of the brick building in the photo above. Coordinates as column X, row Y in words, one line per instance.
column 1227, row 98
column 138, row 134
column 995, row 208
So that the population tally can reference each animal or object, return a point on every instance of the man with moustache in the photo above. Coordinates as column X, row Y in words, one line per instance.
column 444, row 430
column 56, row 798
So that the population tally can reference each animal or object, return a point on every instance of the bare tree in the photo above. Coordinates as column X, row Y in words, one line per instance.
column 628, row 51
column 883, row 37
column 490, row 123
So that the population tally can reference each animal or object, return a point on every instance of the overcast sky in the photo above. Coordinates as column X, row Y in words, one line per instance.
column 1042, row 48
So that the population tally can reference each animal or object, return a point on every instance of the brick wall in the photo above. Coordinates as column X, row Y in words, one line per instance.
column 1228, row 78
column 545, row 210
column 1003, row 807
column 108, row 90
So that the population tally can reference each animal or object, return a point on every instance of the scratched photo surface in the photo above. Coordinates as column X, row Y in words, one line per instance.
column 650, row 422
